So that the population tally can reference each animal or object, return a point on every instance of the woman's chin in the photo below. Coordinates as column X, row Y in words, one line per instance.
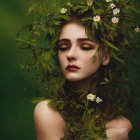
column 79, row 78
column 73, row 79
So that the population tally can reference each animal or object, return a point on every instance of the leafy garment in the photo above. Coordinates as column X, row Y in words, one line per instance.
column 108, row 23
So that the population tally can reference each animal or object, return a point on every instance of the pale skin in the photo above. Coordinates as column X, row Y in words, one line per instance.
column 49, row 123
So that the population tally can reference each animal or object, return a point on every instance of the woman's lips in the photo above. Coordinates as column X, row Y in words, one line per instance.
column 72, row 68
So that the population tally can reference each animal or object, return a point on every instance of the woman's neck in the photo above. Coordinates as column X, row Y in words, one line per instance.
column 88, row 84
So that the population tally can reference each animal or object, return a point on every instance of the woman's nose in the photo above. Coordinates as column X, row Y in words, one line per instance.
column 72, row 55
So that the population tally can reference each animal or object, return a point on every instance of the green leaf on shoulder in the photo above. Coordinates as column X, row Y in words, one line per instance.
column 38, row 99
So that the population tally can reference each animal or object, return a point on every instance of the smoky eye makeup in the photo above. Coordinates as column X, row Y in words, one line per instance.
column 63, row 47
column 83, row 43
column 87, row 43
column 63, row 44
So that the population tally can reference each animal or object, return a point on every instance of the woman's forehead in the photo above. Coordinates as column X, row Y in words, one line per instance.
column 73, row 31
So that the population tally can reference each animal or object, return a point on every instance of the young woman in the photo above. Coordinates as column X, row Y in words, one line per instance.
column 75, row 55
column 82, row 70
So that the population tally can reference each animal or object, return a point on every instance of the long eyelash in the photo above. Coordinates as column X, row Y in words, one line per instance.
column 60, row 46
column 86, row 48
column 63, row 49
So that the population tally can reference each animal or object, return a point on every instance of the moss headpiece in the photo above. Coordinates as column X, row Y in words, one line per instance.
column 107, row 22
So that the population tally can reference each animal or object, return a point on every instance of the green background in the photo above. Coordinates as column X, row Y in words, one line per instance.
column 16, row 109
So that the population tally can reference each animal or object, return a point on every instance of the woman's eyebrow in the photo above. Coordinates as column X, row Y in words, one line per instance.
column 84, row 39
column 63, row 40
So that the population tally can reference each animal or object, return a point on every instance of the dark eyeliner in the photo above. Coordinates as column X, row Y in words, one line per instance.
column 86, row 46
column 63, row 48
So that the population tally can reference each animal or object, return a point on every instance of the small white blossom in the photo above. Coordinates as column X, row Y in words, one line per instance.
column 115, row 20
column 112, row 5
column 108, row 0
column 91, row 97
column 137, row 29
column 89, row 2
column 116, row 11
column 98, row 100
column 63, row 10
column 96, row 18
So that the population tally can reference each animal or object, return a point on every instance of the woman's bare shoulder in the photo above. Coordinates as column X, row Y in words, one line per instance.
column 49, row 123
column 118, row 128
column 44, row 112
column 121, row 121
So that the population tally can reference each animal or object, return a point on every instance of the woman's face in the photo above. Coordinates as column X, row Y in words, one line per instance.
column 76, row 52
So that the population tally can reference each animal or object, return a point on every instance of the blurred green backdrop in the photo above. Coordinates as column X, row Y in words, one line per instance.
column 16, row 110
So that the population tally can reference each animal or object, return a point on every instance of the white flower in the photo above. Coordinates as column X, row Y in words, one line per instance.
column 63, row 10
column 108, row 0
column 91, row 97
column 115, row 20
column 96, row 18
column 89, row 2
column 98, row 100
column 112, row 5
column 116, row 11
column 137, row 29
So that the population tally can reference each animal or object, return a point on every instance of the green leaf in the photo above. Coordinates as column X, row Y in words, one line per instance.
column 78, row 7
column 51, row 31
column 115, row 56
column 91, row 110
column 82, row 11
column 96, row 25
column 25, row 42
column 103, row 83
column 38, row 99
column 44, row 29
column 86, row 19
column 36, row 33
column 108, row 26
column 56, row 22
column 134, row 9
column 32, row 8
column 99, row 11
column 111, row 45
column 118, row 59
column 94, row 58
column 66, row 17
column 105, row 136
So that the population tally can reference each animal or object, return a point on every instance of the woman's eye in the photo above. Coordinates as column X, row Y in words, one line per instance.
column 86, row 47
column 63, row 47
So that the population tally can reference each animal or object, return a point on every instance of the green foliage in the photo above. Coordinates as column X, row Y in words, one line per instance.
column 85, row 120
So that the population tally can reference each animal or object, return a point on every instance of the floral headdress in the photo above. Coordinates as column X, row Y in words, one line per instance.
column 107, row 22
